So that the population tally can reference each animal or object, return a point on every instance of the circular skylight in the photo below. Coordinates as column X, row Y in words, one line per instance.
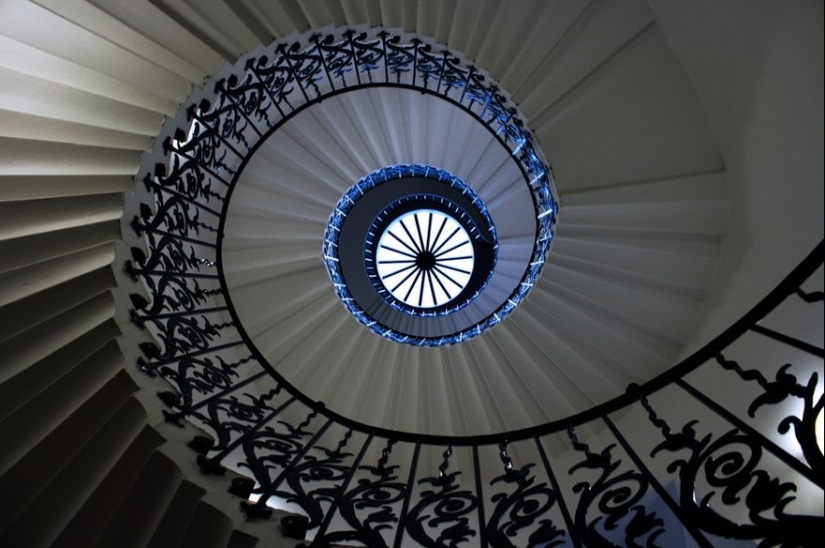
column 425, row 258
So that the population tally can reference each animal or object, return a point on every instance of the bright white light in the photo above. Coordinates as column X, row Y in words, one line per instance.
column 425, row 258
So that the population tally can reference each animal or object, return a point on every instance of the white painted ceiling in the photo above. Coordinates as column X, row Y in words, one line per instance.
column 618, row 95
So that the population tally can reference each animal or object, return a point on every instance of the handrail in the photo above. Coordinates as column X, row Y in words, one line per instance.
column 733, row 466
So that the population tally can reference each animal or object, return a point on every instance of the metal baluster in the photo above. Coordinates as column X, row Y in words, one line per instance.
column 777, row 451
column 810, row 297
column 139, row 228
column 314, row 40
column 790, row 341
column 415, row 42
column 402, row 519
column 441, row 72
column 731, row 463
column 562, row 505
column 257, row 426
column 466, row 85
column 482, row 522
column 211, row 171
column 167, row 315
column 341, row 490
column 638, row 520
column 349, row 34
column 270, row 490
column 149, row 182
column 663, row 494
column 281, row 50
column 196, row 118
column 155, row 365
column 220, row 88
column 272, row 98
column 174, row 418
column 383, row 35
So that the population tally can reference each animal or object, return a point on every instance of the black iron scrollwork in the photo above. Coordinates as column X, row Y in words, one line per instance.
column 368, row 54
column 616, row 498
column 810, row 297
column 268, row 453
column 171, row 295
column 180, row 335
column 306, row 67
column 248, row 96
column 338, row 57
column 784, row 386
column 522, row 508
column 730, row 466
column 315, row 481
column 228, row 416
column 442, row 511
column 203, row 375
column 180, row 229
column 373, row 496
column 399, row 57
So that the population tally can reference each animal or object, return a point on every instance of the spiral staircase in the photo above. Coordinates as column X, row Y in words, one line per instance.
column 686, row 152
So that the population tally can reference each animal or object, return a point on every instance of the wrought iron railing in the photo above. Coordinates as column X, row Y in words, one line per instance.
column 723, row 446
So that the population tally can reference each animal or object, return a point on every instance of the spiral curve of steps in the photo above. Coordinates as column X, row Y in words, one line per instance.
column 86, row 85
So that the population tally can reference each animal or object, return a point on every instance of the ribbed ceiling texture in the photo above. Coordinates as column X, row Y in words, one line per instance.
column 182, row 232
column 623, row 287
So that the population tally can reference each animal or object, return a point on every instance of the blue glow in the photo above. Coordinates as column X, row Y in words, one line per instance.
column 546, row 211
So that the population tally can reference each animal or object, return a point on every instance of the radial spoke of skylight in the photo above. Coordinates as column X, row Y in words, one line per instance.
column 425, row 258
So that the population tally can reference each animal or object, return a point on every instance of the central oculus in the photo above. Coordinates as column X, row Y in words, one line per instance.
column 409, row 249
column 425, row 258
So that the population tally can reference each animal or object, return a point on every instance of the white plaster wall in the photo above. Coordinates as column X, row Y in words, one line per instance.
column 758, row 67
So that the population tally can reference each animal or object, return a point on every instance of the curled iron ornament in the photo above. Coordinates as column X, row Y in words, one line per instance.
column 618, row 499
column 731, row 466
column 443, row 511
column 194, row 176
column 367, row 508
column 526, row 507
column 784, row 386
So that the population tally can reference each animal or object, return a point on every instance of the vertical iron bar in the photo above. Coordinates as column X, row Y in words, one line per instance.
column 148, row 181
column 145, row 228
column 264, row 86
column 323, row 61
column 354, row 57
column 179, row 274
column 777, row 451
column 466, row 84
column 402, row 519
column 168, row 315
column 441, row 74
column 415, row 63
column 562, row 505
column 386, row 65
column 663, row 494
column 238, row 108
column 269, row 491
column 203, row 167
column 155, row 365
column 229, row 390
column 790, row 341
column 217, row 133
column 258, row 425
column 482, row 522
column 341, row 492
column 295, row 78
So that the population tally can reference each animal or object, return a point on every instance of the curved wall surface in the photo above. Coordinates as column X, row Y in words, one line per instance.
column 686, row 143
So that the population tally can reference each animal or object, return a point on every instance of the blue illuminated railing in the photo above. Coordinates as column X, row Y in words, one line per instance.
column 332, row 254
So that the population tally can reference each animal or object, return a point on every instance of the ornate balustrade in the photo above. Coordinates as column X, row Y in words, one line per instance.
column 723, row 446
